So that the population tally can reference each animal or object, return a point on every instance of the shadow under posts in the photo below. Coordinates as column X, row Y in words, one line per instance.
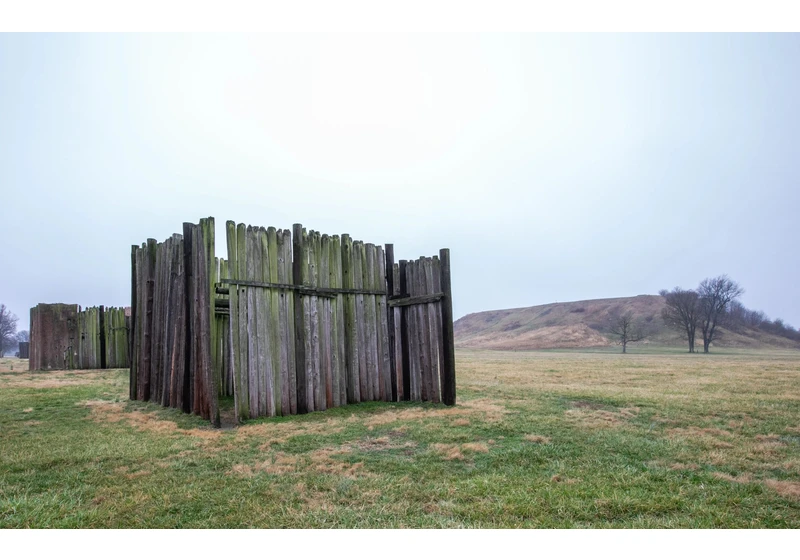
column 294, row 321
column 65, row 337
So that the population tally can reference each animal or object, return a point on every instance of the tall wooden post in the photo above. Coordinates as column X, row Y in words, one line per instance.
column 299, row 324
column 132, row 357
column 404, row 332
column 188, row 294
column 147, row 333
column 102, row 333
column 449, row 373
column 389, row 271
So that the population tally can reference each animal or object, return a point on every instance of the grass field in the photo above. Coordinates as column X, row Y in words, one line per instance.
column 538, row 439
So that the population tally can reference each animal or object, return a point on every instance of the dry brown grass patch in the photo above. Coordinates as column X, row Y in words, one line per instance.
column 242, row 470
column 744, row 420
column 390, row 441
column 460, row 422
column 137, row 474
column 320, row 461
column 274, row 433
column 282, row 463
column 684, row 466
column 785, row 488
column 449, row 452
column 564, row 480
column 586, row 404
column 108, row 411
column 533, row 438
column 741, row 479
column 591, row 417
column 717, row 457
column 768, row 445
column 475, row 447
column 708, row 436
column 455, row 451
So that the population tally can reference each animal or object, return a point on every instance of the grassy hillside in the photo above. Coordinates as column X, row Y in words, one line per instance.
column 584, row 324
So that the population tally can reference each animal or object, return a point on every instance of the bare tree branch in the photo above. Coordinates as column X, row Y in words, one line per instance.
column 681, row 312
column 8, row 330
column 625, row 329
column 716, row 295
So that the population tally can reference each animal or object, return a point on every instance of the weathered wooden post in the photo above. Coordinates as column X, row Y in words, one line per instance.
column 299, row 323
column 102, row 333
column 188, row 309
column 404, row 332
column 389, row 272
column 449, row 373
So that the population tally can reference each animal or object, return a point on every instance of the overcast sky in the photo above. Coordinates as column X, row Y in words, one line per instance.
column 555, row 167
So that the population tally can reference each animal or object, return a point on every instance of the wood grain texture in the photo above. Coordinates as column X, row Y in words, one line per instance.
column 275, row 403
column 361, row 336
column 326, row 366
column 353, row 385
column 251, row 316
column 241, row 323
column 449, row 362
column 261, row 301
column 299, row 271
column 404, row 338
column 290, row 338
column 384, row 343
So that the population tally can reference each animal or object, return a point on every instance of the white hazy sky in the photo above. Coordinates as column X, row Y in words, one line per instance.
column 555, row 167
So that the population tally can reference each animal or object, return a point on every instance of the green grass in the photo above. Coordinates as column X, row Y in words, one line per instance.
column 538, row 439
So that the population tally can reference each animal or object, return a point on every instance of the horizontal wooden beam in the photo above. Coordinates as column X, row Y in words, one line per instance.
column 415, row 300
column 306, row 290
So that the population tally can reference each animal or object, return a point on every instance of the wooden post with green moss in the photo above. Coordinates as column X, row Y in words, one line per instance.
column 274, row 325
column 350, row 319
column 404, row 338
column 131, row 334
column 389, row 273
column 241, row 321
column 102, row 332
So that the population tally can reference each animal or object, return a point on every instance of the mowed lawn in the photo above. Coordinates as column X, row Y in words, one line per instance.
column 538, row 439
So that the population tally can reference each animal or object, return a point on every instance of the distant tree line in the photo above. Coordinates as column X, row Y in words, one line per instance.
column 741, row 318
column 714, row 304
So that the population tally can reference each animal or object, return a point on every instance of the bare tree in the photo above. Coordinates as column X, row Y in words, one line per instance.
column 716, row 295
column 625, row 329
column 23, row 336
column 681, row 312
column 8, row 330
